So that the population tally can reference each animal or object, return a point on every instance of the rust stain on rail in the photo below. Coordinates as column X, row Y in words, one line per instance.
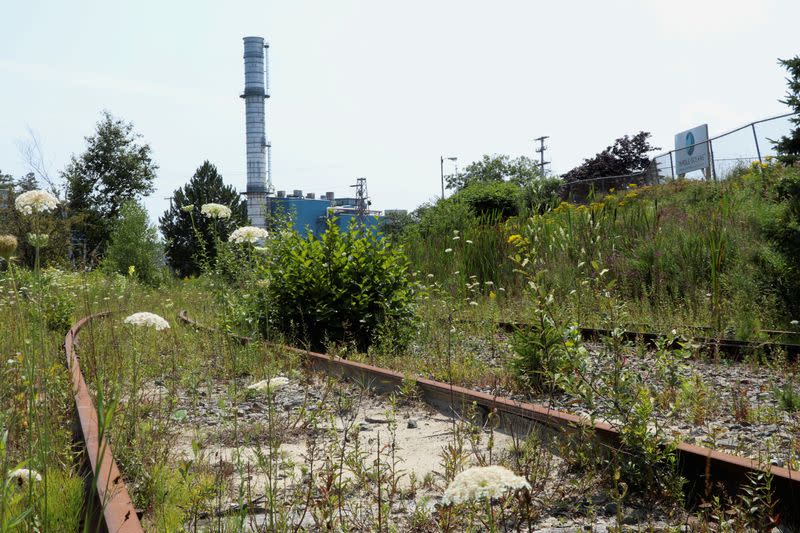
column 119, row 515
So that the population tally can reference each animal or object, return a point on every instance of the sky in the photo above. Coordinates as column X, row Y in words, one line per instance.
column 381, row 89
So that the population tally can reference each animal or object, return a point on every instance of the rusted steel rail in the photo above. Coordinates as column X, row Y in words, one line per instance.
column 732, row 348
column 701, row 467
column 109, row 506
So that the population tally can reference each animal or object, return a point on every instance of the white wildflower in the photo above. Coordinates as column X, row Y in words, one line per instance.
column 36, row 201
column 482, row 482
column 212, row 210
column 269, row 385
column 794, row 322
column 448, row 250
column 21, row 476
column 468, row 241
column 38, row 240
column 187, row 208
column 145, row 319
column 247, row 234
column 473, row 302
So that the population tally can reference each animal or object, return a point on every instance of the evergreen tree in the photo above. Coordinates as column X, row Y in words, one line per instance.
column 788, row 147
column 115, row 168
column 183, row 248
column 26, row 183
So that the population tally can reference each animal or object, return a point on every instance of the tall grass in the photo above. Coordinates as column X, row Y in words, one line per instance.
column 681, row 254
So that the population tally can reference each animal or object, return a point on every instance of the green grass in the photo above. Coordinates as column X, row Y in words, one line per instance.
column 683, row 254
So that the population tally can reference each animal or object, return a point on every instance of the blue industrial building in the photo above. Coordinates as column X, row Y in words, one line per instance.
column 310, row 214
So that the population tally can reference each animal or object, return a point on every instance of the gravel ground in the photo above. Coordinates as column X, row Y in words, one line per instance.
column 566, row 501
column 729, row 406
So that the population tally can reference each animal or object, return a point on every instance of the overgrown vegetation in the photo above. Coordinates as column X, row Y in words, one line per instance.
column 203, row 435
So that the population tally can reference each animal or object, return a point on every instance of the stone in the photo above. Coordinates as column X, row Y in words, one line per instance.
column 633, row 516
column 412, row 424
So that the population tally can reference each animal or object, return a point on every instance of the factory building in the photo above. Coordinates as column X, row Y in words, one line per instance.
column 306, row 213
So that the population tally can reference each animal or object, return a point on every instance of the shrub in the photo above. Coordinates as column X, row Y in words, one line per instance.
column 134, row 243
column 541, row 195
column 501, row 197
column 345, row 286
column 545, row 352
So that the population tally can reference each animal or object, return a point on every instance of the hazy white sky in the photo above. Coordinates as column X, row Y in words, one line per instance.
column 382, row 89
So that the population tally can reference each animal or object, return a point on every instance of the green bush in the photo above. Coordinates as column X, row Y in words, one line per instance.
column 345, row 286
column 484, row 198
column 134, row 243
column 51, row 302
column 545, row 353
column 540, row 195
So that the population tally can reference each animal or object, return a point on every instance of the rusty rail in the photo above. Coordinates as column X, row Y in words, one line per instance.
column 695, row 462
column 731, row 348
column 113, row 509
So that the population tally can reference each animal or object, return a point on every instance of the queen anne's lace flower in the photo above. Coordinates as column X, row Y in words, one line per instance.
column 145, row 319
column 481, row 482
column 36, row 201
column 38, row 240
column 249, row 234
column 216, row 210
column 20, row 476
column 269, row 385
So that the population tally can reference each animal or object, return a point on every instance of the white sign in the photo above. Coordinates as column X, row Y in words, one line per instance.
column 691, row 150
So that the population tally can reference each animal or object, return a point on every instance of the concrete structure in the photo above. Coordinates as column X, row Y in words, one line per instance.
column 256, row 91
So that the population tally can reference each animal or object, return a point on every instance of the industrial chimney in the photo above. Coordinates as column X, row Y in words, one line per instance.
column 259, row 160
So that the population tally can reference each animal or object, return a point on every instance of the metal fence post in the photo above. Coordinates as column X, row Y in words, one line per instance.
column 671, row 166
column 711, row 152
column 755, row 137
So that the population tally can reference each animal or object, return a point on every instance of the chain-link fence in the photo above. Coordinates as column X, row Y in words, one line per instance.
column 727, row 152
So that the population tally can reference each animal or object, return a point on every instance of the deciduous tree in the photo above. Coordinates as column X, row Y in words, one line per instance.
column 628, row 155
column 494, row 168
column 115, row 167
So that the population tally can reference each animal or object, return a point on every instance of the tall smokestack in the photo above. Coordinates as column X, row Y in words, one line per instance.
column 259, row 180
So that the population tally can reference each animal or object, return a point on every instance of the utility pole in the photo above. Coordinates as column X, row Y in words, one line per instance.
column 441, row 169
column 441, row 172
column 541, row 151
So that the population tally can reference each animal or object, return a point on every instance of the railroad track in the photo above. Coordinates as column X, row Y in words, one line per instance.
column 701, row 467
column 731, row 348
column 109, row 505
column 113, row 508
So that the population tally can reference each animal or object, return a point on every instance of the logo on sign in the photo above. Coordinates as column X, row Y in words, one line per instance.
column 690, row 143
